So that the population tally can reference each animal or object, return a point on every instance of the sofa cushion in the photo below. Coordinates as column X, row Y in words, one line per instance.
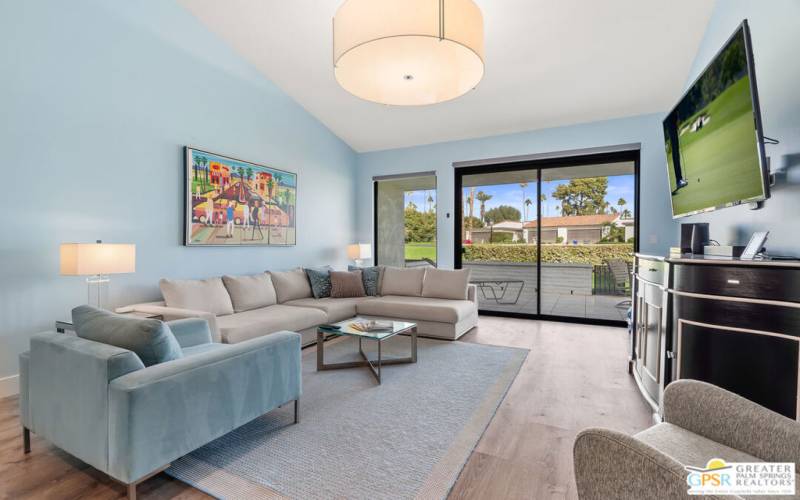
column 401, row 281
column 371, row 276
column 251, row 291
column 689, row 448
column 150, row 339
column 347, row 284
column 320, row 280
column 335, row 309
column 259, row 322
column 291, row 285
column 445, row 283
column 418, row 308
column 199, row 295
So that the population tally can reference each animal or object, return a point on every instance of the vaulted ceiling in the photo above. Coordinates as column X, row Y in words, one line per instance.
column 548, row 63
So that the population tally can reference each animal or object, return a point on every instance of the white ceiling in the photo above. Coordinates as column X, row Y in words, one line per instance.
column 548, row 63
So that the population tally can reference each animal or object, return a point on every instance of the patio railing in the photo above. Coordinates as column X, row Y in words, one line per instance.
column 603, row 282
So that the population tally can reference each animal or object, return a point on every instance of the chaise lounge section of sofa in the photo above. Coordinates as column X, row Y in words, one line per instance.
column 239, row 308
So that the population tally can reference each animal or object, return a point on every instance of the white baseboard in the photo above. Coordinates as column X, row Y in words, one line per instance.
column 9, row 386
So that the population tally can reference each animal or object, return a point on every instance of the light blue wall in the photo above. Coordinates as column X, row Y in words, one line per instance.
column 658, row 231
column 776, row 39
column 97, row 99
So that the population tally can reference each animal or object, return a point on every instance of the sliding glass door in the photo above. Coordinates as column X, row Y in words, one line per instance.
column 550, row 238
column 588, row 230
column 405, row 220
column 498, row 236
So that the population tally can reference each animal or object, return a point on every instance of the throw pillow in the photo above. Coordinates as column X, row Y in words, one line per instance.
column 320, row 279
column 150, row 339
column 250, row 292
column 347, row 284
column 199, row 295
column 291, row 285
column 446, row 283
column 402, row 281
column 371, row 276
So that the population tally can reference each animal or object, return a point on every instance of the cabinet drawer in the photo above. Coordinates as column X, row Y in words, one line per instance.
column 652, row 270
column 781, row 284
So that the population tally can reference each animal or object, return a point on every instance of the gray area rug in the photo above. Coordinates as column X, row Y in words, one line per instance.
column 407, row 438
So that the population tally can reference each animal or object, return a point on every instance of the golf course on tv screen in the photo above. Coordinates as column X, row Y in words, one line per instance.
column 713, row 154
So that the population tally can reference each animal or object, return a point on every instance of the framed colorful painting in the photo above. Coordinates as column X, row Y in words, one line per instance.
column 232, row 202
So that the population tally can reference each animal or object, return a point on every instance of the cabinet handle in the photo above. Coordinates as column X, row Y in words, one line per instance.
column 733, row 282
column 653, row 270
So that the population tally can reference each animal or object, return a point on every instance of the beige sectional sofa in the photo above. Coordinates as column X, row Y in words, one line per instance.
column 238, row 308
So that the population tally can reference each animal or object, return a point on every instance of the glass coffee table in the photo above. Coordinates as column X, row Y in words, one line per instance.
column 374, row 366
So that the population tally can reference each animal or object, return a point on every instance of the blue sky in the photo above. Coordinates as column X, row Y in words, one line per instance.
column 619, row 186
column 419, row 197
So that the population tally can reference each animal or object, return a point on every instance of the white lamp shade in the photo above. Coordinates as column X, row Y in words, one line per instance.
column 359, row 251
column 408, row 52
column 88, row 259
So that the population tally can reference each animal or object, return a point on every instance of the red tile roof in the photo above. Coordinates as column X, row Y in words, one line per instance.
column 574, row 220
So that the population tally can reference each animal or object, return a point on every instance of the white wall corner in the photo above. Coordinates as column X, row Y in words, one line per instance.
column 9, row 386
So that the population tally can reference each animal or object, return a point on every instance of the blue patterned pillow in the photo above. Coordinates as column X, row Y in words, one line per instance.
column 320, row 279
column 371, row 277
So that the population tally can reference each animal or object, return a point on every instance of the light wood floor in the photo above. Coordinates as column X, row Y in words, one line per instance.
column 574, row 377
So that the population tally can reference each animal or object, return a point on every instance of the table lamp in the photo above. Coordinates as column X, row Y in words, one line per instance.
column 358, row 252
column 97, row 261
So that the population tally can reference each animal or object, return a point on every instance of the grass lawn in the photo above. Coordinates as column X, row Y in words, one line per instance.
column 419, row 251
column 720, row 161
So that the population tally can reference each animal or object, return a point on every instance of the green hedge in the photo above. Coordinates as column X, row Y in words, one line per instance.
column 556, row 254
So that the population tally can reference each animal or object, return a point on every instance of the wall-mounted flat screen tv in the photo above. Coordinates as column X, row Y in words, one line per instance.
column 713, row 137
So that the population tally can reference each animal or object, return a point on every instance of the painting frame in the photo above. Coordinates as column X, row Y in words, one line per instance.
column 261, row 198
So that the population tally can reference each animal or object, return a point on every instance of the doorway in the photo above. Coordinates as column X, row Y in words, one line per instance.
column 550, row 238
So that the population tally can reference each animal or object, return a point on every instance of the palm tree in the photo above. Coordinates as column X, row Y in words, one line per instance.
column 200, row 172
column 430, row 203
column 523, row 185
column 528, row 203
column 542, row 198
column 471, row 206
column 204, row 162
column 483, row 198
column 621, row 204
column 270, row 185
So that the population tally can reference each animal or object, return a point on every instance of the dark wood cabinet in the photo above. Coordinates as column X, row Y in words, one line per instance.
column 733, row 323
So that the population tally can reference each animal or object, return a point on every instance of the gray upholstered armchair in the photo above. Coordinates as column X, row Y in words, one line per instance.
column 101, row 404
column 701, row 421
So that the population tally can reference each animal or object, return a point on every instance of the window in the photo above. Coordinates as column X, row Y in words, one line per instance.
column 405, row 220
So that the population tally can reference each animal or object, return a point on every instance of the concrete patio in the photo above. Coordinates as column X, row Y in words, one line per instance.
column 566, row 290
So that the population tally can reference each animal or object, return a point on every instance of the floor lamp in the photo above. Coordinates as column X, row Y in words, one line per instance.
column 97, row 261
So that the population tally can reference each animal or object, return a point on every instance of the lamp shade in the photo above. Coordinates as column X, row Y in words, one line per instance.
column 88, row 259
column 359, row 251
column 408, row 52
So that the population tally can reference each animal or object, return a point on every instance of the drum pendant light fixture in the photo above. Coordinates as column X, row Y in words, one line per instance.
column 408, row 52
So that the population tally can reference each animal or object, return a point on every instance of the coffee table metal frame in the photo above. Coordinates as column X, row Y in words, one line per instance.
column 375, row 369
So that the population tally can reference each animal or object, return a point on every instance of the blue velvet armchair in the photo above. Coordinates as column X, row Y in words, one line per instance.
column 102, row 405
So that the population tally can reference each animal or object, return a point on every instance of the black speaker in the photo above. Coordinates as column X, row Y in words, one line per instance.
column 694, row 237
